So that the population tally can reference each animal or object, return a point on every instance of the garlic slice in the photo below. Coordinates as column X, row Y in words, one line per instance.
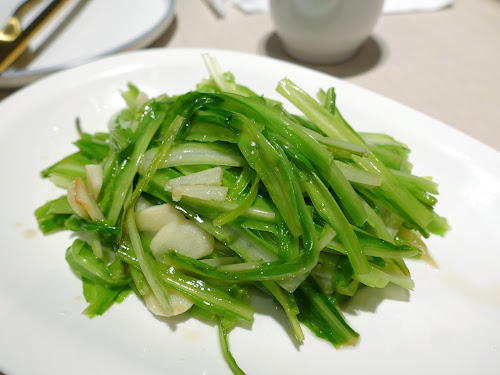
column 153, row 218
column 185, row 237
column 82, row 202
column 179, row 303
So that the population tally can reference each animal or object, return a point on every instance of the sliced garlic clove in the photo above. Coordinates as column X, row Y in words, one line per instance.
column 73, row 200
column 141, row 204
column 179, row 303
column 185, row 237
column 154, row 218
column 82, row 202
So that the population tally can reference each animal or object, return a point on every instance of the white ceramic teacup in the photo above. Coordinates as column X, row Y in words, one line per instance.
column 324, row 31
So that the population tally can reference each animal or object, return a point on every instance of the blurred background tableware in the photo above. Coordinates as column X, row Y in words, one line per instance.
column 324, row 31
column 82, row 31
column 15, row 39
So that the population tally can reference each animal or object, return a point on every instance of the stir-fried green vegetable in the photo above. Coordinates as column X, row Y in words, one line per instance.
column 195, row 202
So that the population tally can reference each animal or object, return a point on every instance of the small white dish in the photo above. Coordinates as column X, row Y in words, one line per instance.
column 324, row 31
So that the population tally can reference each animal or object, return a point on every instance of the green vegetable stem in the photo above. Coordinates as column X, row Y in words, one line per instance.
column 197, row 202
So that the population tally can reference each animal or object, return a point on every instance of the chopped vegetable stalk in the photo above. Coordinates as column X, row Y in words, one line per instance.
column 53, row 215
column 225, row 349
column 193, row 154
column 358, row 176
column 336, row 127
column 331, row 213
column 244, row 205
column 145, row 262
column 261, row 155
column 100, row 297
column 119, row 178
column 193, row 201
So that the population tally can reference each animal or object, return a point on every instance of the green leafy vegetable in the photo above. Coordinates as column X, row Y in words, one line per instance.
column 201, row 200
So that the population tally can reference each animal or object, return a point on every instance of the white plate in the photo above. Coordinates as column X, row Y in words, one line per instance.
column 85, row 30
column 449, row 324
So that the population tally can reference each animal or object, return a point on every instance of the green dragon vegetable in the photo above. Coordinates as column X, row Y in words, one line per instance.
column 198, row 201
